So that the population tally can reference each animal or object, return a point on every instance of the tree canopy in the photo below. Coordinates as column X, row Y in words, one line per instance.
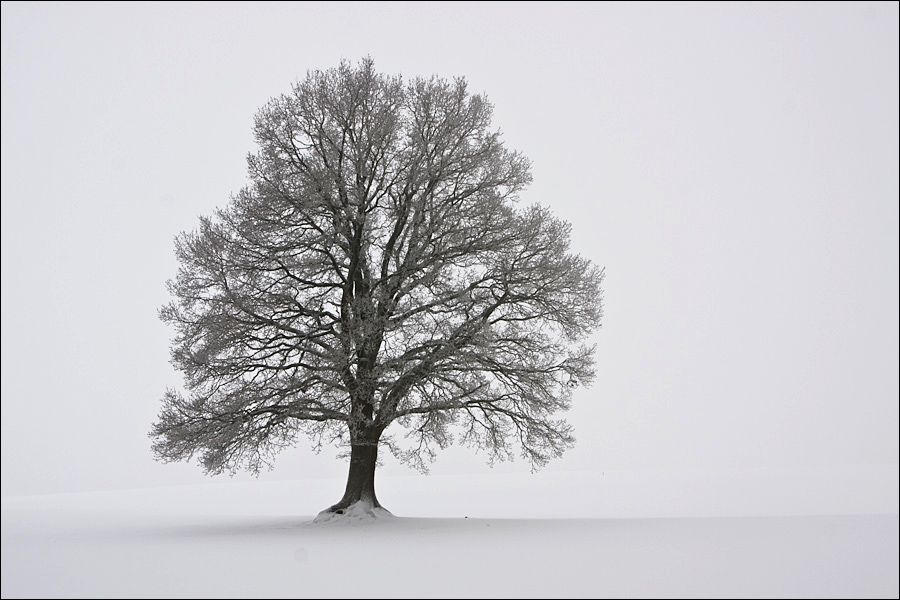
column 378, row 268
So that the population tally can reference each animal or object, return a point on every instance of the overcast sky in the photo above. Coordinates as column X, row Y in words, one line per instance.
column 733, row 166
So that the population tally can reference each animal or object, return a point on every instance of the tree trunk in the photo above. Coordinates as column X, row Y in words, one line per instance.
column 361, row 477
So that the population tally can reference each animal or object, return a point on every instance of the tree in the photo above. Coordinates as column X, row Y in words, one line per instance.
column 377, row 269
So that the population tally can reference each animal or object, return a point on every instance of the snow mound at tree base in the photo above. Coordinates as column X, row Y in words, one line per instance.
column 355, row 513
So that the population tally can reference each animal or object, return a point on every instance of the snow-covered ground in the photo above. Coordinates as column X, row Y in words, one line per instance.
column 812, row 533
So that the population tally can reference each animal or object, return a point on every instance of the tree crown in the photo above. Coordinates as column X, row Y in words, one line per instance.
column 377, row 269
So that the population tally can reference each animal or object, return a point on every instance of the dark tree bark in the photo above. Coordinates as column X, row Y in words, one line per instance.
column 360, row 478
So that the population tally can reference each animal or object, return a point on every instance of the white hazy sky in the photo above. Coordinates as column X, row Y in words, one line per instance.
column 733, row 166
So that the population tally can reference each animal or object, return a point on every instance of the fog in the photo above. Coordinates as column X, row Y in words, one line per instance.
column 733, row 166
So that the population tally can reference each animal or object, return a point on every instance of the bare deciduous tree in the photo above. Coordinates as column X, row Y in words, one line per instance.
column 377, row 269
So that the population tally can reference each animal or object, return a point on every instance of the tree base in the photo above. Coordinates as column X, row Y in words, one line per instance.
column 360, row 511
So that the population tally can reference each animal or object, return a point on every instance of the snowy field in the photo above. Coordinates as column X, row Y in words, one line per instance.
column 815, row 533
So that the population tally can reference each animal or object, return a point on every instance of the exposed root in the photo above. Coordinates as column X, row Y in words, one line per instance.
column 361, row 511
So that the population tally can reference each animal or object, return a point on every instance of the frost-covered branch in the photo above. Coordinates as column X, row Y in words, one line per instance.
column 377, row 269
